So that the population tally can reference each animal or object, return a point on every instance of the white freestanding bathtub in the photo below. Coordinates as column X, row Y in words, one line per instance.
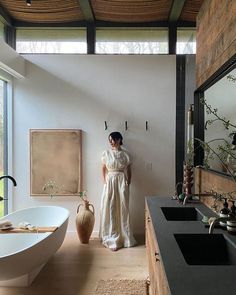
column 22, row 255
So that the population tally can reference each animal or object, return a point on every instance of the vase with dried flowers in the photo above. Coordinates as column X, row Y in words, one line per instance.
column 85, row 218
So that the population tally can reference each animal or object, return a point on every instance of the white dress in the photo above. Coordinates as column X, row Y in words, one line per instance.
column 115, row 229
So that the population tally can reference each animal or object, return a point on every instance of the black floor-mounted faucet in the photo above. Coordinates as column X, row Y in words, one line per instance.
column 10, row 177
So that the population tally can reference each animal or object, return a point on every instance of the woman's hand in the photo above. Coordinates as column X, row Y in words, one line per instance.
column 129, row 174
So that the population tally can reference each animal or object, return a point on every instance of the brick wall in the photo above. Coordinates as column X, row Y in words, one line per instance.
column 216, row 37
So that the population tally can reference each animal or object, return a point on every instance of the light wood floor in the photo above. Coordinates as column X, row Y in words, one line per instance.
column 76, row 268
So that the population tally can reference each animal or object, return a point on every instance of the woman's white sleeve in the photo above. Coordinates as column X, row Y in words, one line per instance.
column 129, row 159
column 104, row 158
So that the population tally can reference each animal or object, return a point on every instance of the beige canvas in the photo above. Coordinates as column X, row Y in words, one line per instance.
column 55, row 158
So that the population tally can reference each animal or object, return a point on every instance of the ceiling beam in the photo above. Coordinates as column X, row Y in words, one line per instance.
column 176, row 9
column 157, row 24
column 131, row 25
column 22, row 24
column 87, row 10
column 5, row 17
column 83, row 24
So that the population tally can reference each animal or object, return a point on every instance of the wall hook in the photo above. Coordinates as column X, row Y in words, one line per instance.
column 146, row 126
column 105, row 122
column 126, row 125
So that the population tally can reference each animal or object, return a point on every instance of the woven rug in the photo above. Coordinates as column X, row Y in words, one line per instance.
column 121, row 287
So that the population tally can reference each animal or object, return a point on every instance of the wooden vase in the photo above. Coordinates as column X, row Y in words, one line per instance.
column 85, row 221
column 188, row 179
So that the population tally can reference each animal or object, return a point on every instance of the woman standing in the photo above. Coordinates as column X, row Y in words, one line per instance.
column 115, row 229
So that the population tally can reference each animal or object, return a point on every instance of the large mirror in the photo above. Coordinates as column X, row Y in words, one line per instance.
column 216, row 120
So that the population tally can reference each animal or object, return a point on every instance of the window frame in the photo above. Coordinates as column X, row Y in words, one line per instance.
column 49, row 38
column 186, row 29
column 8, row 150
column 125, row 36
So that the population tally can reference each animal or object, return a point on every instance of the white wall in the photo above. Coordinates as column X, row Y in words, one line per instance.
column 75, row 91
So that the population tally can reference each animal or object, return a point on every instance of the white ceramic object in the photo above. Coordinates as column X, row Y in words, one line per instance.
column 231, row 223
column 231, row 226
column 223, row 223
column 23, row 253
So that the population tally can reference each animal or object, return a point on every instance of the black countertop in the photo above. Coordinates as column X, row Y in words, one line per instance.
column 185, row 279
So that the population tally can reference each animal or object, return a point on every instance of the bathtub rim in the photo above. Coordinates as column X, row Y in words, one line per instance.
column 45, row 235
column 33, row 207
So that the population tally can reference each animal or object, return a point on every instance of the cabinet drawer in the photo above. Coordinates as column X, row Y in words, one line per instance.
column 158, row 283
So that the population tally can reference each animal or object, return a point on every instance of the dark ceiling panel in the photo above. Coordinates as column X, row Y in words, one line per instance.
column 5, row 17
column 176, row 9
column 87, row 10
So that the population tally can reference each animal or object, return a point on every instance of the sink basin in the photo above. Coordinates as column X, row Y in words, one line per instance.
column 181, row 213
column 206, row 249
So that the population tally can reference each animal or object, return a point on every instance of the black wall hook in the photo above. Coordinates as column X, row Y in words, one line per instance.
column 146, row 125
column 105, row 122
column 126, row 125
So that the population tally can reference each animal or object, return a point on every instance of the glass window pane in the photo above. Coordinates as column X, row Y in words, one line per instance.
column 186, row 41
column 1, row 145
column 51, row 40
column 131, row 41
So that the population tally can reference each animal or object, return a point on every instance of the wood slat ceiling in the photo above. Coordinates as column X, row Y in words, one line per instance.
column 131, row 11
column 43, row 11
column 117, row 11
column 190, row 10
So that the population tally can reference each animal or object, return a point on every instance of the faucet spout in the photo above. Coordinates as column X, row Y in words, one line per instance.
column 217, row 220
column 9, row 177
column 187, row 197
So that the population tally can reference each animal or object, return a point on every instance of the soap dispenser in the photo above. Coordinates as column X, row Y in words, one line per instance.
column 224, row 212
column 233, row 209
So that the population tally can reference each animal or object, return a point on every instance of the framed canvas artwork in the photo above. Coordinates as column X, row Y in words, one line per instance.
column 55, row 162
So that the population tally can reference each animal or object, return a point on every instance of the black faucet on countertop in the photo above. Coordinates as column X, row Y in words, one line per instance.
column 11, row 178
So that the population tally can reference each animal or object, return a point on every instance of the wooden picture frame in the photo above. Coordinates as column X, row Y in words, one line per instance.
column 55, row 162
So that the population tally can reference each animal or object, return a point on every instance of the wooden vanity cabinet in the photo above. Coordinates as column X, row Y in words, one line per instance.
column 158, row 282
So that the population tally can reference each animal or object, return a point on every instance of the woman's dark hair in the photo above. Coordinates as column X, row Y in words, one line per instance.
column 116, row 136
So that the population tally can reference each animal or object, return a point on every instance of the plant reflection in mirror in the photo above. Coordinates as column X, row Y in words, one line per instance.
column 214, row 111
column 224, row 148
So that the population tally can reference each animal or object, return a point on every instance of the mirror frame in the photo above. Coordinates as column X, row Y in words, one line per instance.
column 199, row 118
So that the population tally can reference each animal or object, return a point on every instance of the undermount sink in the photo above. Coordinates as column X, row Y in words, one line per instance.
column 181, row 214
column 206, row 249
